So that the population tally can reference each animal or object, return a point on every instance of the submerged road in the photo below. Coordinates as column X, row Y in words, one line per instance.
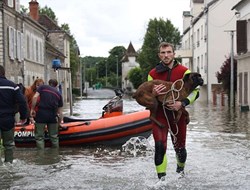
column 100, row 93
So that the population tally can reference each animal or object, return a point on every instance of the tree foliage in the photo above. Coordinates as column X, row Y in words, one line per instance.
column 135, row 77
column 23, row 9
column 96, row 67
column 49, row 12
column 224, row 75
column 158, row 30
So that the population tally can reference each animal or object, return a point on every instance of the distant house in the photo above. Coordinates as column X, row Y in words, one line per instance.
column 243, row 53
column 128, row 63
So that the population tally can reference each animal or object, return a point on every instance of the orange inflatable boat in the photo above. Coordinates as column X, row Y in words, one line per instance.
column 104, row 131
column 113, row 128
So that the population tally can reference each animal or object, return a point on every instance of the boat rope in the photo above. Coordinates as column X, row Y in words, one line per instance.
column 172, row 90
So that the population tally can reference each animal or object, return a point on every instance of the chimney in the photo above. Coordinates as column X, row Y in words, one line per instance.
column 34, row 10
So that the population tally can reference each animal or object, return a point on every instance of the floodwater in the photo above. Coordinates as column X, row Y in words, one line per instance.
column 218, row 145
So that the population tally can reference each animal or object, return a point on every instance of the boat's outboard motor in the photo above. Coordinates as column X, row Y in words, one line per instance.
column 115, row 106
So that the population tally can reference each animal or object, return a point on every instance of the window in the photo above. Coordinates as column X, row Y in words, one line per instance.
column 10, row 3
column 41, row 52
column 17, row 6
column 198, row 64
column 201, row 32
column 37, row 51
column 245, row 88
column 241, row 29
column 22, row 47
column 202, row 62
column 28, row 46
column 240, row 88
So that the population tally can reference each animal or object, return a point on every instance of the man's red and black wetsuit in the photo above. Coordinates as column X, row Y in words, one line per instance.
column 178, row 132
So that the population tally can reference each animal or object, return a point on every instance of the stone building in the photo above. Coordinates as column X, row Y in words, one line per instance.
column 57, row 46
column 20, row 36
column 29, row 44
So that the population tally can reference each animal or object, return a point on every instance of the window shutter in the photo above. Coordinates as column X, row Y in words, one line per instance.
column 241, row 36
column 41, row 52
column 22, row 47
column 15, row 42
column 10, row 3
column 18, row 47
column 17, row 6
column 11, row 42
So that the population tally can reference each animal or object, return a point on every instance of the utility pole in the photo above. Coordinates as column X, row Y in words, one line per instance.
column 81, row 78
column 117, row 77
column 232, row 69
column 84, row 79
column 106, row 73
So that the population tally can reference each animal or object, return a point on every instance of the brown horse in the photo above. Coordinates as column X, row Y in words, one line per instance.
column 31, row 90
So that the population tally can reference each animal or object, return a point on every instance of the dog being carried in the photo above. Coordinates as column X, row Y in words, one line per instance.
column 172, row 91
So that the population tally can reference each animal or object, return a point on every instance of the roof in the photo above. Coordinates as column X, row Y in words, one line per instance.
column 238, row 4
column 130, row 52
column 48, row 23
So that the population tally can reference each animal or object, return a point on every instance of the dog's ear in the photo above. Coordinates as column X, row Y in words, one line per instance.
column 186, row 77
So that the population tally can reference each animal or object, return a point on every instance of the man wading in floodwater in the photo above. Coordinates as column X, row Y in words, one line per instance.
column 10, row 97
column 169, row 69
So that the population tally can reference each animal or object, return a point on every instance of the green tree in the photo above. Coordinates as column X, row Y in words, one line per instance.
column 23, row 9
column 65, row 27
column 135, row 76
column 96, row 67
column 49, row 12
column 158, row 30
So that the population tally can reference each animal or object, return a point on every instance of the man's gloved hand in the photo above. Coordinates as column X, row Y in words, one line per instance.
column 158, row 89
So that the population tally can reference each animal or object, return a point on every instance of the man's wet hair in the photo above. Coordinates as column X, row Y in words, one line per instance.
column 166, row 44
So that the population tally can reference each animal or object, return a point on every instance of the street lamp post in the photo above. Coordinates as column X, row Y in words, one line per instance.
column 97, row 72
column 80, row 77
column 84, row 79
column 106, row 73
column 117, row 71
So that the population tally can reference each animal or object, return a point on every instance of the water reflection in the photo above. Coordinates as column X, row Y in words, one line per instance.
column 220, row 119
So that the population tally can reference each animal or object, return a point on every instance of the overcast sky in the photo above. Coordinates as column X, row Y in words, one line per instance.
column 100, row 25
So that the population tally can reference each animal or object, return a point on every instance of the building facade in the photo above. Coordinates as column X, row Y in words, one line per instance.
column 28, row 47
column 243, row 53
column 206, row 41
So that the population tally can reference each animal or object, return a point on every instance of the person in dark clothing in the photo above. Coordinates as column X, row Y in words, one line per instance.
column 170, row 70
column 49, row 113
column 10, row 96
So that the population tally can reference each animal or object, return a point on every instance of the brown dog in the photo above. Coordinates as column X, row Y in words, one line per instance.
column 176, row 91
